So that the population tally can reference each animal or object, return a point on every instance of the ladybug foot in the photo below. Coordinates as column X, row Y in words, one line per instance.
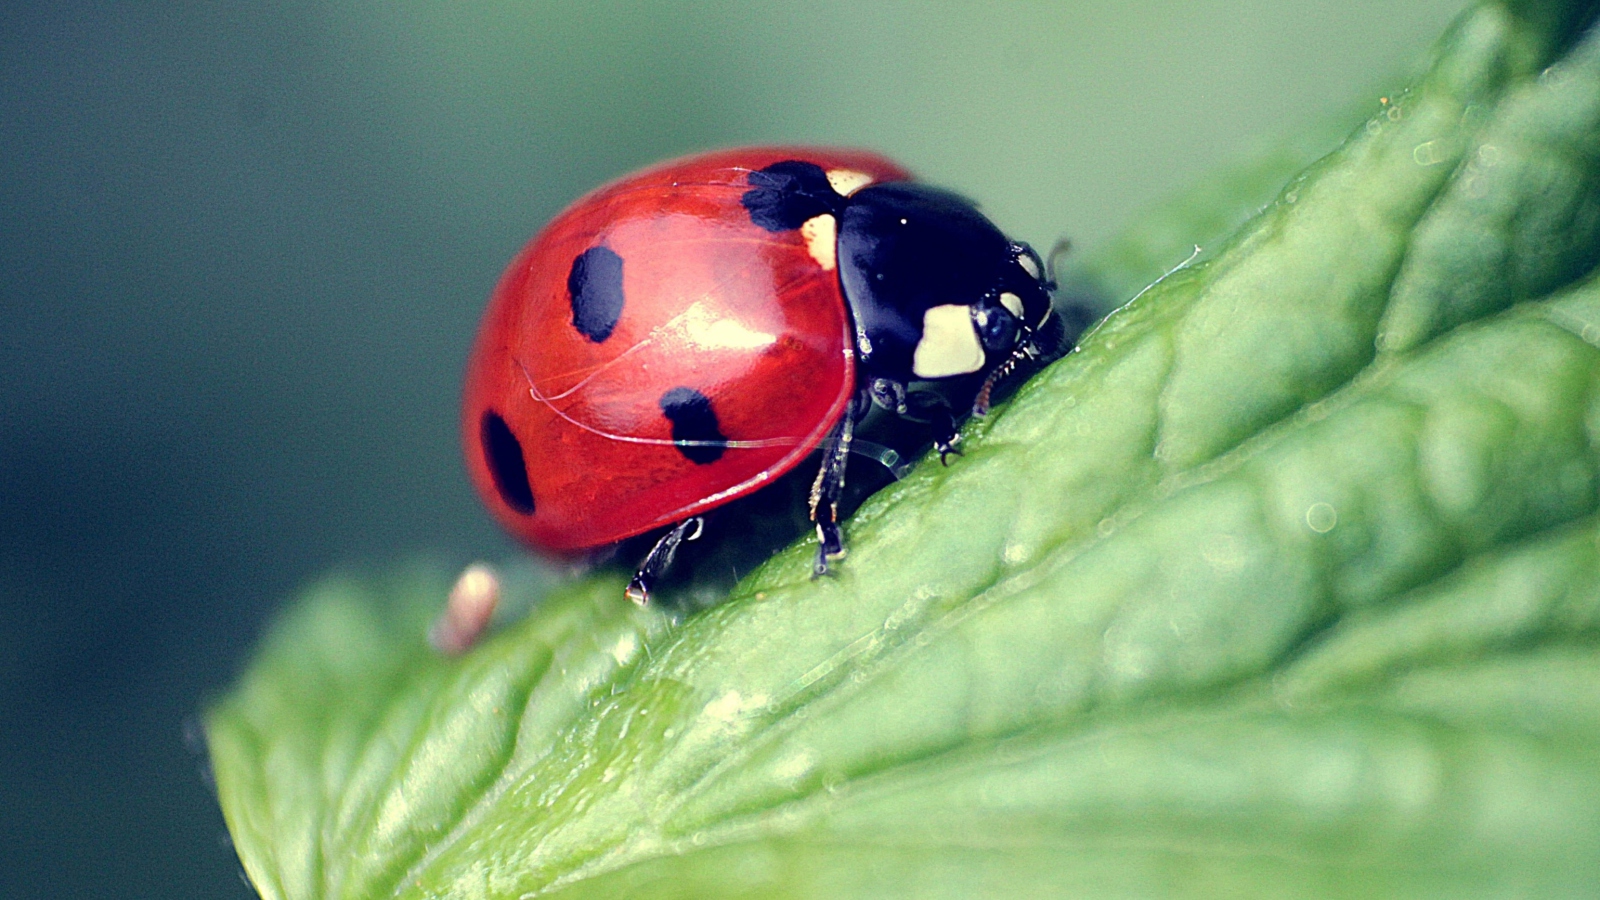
column 638, row 589
column 946, row 437
column 830, row 548
column 946, row 447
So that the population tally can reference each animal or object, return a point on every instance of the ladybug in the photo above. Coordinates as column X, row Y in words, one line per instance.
column 685, row 335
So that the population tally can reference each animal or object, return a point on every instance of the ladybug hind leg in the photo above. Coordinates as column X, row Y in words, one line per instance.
column 660, row 557
column 829, row 487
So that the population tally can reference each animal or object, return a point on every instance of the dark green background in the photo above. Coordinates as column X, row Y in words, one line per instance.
column 244, row 247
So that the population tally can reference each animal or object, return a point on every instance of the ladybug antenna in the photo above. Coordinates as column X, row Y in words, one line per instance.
column 1061, row 248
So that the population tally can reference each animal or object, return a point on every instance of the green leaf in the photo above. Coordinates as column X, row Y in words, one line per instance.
column 1287, row 583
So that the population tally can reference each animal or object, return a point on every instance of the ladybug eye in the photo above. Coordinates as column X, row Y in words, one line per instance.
column 996, row 328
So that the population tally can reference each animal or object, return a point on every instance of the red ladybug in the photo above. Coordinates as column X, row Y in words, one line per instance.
column 684, row 335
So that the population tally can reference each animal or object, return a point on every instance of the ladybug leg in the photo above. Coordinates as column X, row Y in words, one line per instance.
column 659, row 559
column 929, row 407
column 828, row 487
column 889, row 394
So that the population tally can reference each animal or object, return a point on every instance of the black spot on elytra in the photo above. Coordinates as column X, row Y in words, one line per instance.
column 785, row 194
column 694, row 425
column 595, row 288
column 506, row 463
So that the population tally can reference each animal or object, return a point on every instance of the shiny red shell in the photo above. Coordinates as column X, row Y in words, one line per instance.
column 712, row 302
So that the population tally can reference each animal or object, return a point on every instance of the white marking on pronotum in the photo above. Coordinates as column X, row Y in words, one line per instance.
column 533, row 391
column 821, row 234
column 848, row 181
column 1012, row 303
column 949, row 344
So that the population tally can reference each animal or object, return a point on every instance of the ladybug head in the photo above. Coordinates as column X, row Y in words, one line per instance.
column 1012, row 322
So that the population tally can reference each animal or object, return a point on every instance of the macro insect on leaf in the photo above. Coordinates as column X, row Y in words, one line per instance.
column 685, row 335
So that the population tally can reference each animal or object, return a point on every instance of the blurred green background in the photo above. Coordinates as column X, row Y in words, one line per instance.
column 245, row 245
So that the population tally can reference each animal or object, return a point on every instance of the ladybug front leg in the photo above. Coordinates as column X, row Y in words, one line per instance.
column 919, row 406
column 659, row 559
column 927, row 406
